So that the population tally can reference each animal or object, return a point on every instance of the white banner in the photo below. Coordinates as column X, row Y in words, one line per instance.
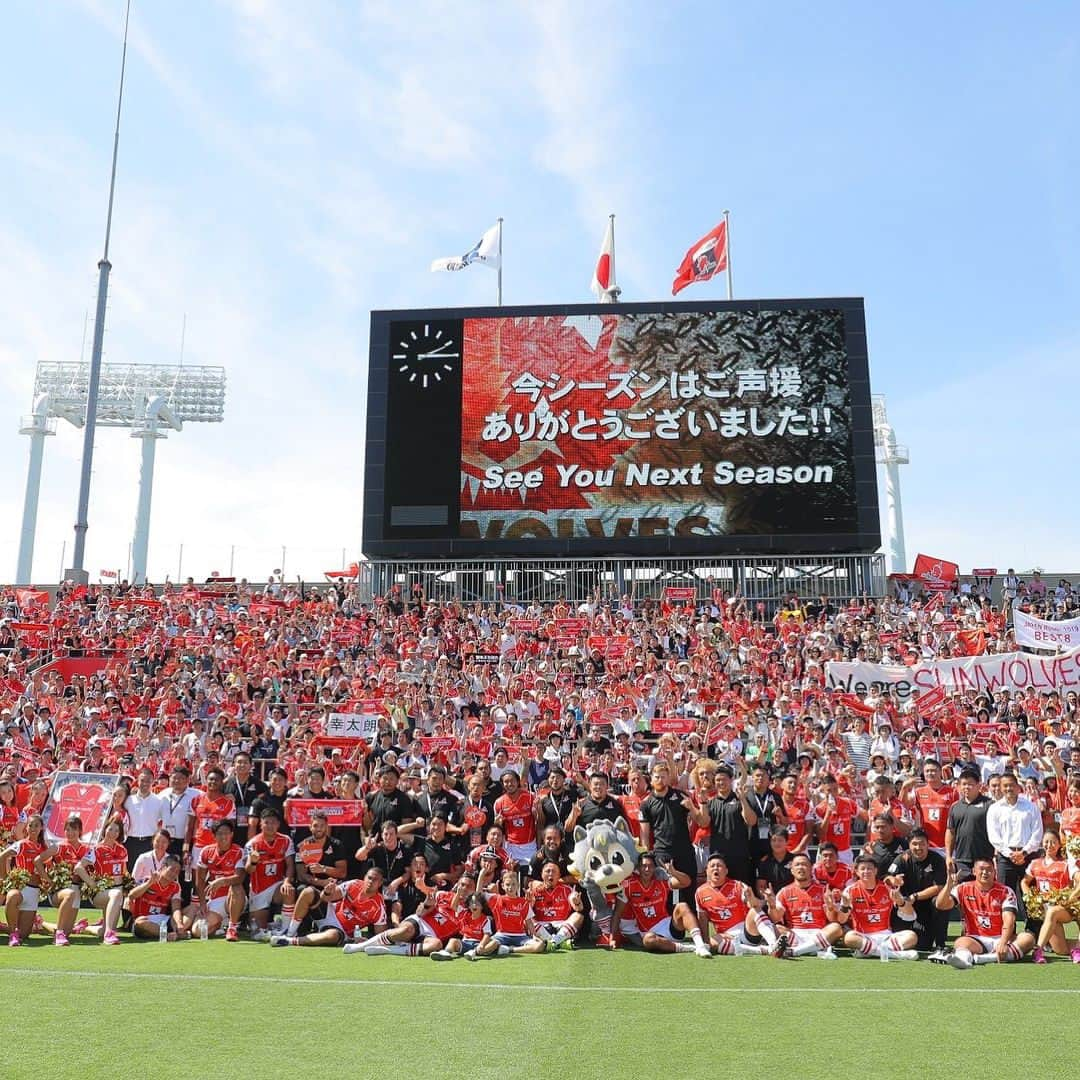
column 1043, row 634
column 353, row 726
column 1004, row 671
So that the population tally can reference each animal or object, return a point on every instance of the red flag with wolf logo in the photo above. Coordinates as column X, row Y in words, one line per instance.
column 704, row 260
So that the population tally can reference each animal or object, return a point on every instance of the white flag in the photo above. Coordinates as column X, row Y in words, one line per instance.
column 603, row 279
column 485, row 251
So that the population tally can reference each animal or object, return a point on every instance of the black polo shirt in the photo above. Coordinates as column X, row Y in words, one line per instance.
column 667, row 818
column 729, row 834
column 608, row 810
column 967, row 823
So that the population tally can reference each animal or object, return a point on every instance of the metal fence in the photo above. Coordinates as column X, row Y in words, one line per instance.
column 766, row 578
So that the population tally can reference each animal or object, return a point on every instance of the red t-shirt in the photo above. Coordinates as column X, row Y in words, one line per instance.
column 933, row 807
column 1049, row 876
column 219, row 864
column 70, row 854
column 26, row 851
column 839, row 830
column 357, row 909
column 517, row 815
column 796, row 813
column 1070, row 820
column 725, row 907
column 871, row 909
column 270, row 869
column 648, row 903
column 838, row 879
column 110, row 861
column 804, row 909
column 552, row 905
column 982, row 911
column 210, row 811
column 442, row 918
column 86, row 801
column 157, row 900
column 510, row 913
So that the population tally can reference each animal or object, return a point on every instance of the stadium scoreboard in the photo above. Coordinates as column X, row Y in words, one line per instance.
column 694, row 429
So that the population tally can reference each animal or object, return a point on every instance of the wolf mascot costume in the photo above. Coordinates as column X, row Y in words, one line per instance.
column 604, row 856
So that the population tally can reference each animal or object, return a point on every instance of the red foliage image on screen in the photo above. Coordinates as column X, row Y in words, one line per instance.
column 499, row 351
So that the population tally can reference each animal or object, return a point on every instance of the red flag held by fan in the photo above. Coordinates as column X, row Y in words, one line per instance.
column 936, row 573
column 704, row 260
column 352, row 571
column 969, row 643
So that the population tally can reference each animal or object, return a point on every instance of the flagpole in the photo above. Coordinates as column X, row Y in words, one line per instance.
column 727, row 242
column 498, row 285
column 613, row 291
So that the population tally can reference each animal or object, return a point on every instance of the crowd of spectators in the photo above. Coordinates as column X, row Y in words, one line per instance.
column 706, row 724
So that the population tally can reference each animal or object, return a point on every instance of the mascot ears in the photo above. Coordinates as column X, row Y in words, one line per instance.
column 619, row 824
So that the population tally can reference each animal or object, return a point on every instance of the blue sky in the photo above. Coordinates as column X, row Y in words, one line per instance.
column 285, row 168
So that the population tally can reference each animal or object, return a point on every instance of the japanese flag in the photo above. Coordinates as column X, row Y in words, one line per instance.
column 603, row 279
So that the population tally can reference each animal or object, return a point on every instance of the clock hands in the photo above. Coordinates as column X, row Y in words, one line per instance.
column 440, row 352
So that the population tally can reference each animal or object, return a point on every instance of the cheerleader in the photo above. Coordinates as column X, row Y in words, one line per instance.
column 1046, row 885
column 12, row 819
column 61, row 860
column 109, row 863
column 22, row 884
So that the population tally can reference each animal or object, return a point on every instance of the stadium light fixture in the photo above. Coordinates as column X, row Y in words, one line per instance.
column 148, row 399
column 892, row 455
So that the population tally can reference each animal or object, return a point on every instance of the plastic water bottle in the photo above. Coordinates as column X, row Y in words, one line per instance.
column 204, row 933
column 357, row 934
column 163, row 933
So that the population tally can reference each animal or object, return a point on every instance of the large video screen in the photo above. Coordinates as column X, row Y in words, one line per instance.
column 739, row 427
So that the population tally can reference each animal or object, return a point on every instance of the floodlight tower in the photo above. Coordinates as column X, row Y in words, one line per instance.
column 38, row 424
column 156, row 415
column 892, row 455
column 148, row 399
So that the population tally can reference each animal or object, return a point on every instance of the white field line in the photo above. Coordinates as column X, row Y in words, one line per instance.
column 532, row 987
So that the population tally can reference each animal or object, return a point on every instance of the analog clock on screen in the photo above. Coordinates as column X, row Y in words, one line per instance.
column 426, row 354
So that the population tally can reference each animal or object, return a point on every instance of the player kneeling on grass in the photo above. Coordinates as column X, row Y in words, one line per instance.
column 868, row 905
column 156, row 902
column 23, row 881
column 269, row 862
column 733, row 917
column 988, row 914
column 219, row 885
column 808, row 911
column 351, row 908
column 103, row 870
column 647, row 893
column 423, row 933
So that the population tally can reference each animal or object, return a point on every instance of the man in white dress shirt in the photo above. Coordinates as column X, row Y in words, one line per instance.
column 1014, row 826
column 177, row 819
column 144, row 816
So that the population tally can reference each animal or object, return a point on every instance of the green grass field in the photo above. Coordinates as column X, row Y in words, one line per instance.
column 195, row 1009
